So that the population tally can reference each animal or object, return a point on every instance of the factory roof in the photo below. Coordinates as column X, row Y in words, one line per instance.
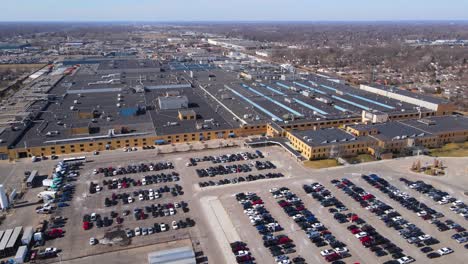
column 424, row 97
column 439, row 124
column 393, row 131
column 329, row 136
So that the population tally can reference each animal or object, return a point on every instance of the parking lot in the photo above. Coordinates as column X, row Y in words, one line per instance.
column 218, row 217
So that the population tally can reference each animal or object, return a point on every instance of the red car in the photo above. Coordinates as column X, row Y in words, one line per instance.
column 284, row 240
column 54, row 233
column 244, row 258
column 355, row 231
column 365, row 239
column 257, row 202
column 86, row 225
column 332, row 257
column 300, row 207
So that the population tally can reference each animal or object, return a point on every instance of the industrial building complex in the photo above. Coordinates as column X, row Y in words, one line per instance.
column 101, row 104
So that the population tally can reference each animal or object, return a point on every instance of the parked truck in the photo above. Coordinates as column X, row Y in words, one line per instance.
column 47, row 193
column 47, row 182
column 21, row 254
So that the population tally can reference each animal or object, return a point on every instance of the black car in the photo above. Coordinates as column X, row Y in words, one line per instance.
column 433, row 255
column 426, row 249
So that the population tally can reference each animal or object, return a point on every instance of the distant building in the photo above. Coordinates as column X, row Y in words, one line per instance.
column 441, row 106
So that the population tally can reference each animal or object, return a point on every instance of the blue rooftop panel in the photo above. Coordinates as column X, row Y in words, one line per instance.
column 292, row 111
column 370, row 101
column 340, row 108
column 283, row 85
column 255, row 105
column 310, row 107
column 309, row 88
column 328, row 87
column 272, row 89
column 351, row 103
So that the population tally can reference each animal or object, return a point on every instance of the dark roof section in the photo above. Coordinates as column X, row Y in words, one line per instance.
column 393, row 131
column 439, row 124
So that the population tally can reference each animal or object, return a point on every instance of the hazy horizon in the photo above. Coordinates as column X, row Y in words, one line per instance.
column 233, row 11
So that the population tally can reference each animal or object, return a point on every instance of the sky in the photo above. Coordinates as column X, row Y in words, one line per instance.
column 232, row 10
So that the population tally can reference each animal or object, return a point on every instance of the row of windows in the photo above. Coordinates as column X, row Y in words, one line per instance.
column 336, row 122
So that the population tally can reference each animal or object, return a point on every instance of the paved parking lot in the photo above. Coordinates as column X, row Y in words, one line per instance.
column 211, row 207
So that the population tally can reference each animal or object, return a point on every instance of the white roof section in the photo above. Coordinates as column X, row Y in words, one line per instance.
column 181, row 255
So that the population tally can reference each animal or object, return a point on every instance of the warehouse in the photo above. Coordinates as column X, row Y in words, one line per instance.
column 109, row 104
column 441, row 106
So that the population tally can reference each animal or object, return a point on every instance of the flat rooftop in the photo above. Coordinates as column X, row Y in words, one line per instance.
column 393, row 131
column 89, row 98
column 329, row 136
column 439, row 124
column 424, row 97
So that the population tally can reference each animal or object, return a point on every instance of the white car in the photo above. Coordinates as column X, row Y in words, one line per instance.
column 151, row 196
column 130, row 199
column 50, row 250
column 317, row 225
column 98, row 188
column 137, row 231
column 171, row 211
column 175, row 225
column 242, row 253
column 129, row 233
column 144, row 231
column 445, row 251
column 277, row 196
column 150, row 230
column 327, row 252
column 424, row 237
column 163, row 227
column 93, row 241
column 141, row 197
column 341, row 250
column 361, row 234
column 422, row 213
column 95, row 171
column 405, row 260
